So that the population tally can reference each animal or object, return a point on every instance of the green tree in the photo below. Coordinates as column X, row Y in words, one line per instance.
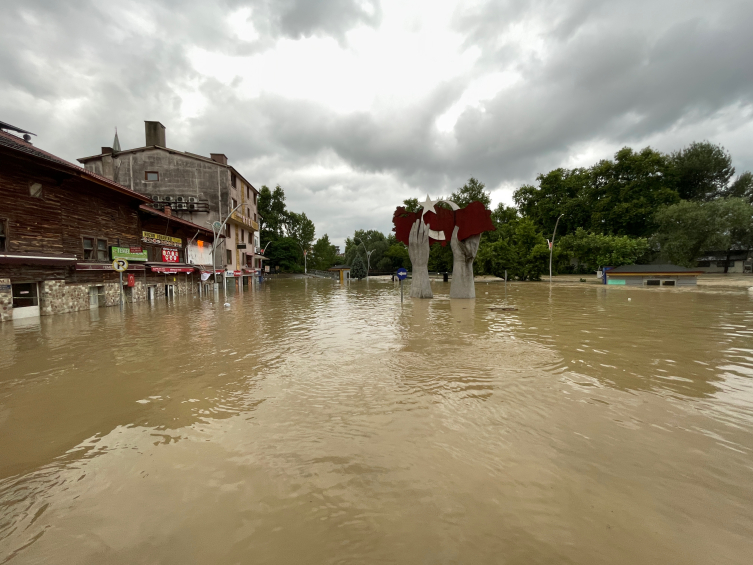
column 367, row 240
column 471, row 191
column 398, row 256
column 358, row 269
column 285, row 253
column 689, row 228
column 271, row 208
column 702, row 171
column 742, row 187
column 411, row 205
column 520, row 249
column 300, row 228
column 592, row 250
column 323, row 254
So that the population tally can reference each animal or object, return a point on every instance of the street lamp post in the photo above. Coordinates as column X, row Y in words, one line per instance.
column 368, row 257
column 551, row 247
column 217, row 228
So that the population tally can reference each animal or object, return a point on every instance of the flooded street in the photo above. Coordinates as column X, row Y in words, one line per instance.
column 314, row 423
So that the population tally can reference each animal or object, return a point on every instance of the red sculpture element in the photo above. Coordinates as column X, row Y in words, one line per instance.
column 473, row 220
column 403, row 222
column 444, row 221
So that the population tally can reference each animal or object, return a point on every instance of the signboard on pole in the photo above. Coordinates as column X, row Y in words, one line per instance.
column 402, row 274
column 120, row 265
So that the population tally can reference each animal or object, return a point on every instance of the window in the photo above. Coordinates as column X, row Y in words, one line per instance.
column 234, row 203
column 248, row 193
column 725, row 263
column 3, row 235
column 102, row 250
column 243, row 236
column 653, row 282
column 35, row 189
column 232, row 180
column 151, row 175
column 95, row 249
column 229, row 257
column 668, row 283
column 88, row 248
column 703, row 264
column 254, row 198
column 227, row 230
column 255, row 217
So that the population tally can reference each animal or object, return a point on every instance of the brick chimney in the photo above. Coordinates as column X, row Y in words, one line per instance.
column 155, row 134
column 220, row 158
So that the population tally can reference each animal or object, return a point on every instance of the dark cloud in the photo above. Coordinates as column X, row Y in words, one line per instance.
column 591, row 73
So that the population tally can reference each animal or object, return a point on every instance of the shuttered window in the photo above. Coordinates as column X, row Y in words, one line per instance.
column 3, row 235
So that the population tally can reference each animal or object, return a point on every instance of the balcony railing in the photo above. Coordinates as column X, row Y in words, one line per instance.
column 245, row 220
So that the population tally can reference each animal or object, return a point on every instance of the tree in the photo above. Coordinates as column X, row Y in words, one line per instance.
column 367, row 240
column 357, row 269
column 271, row 208
column 742, row 187
column 471, row 191
column 300, row 228
column 398, row 256
column 689, row 228
column 285, row 253
column 592, row 250
column 323, row 254
column 702, row 171
column 520, row 249
column 624, row 194
column 560, row 191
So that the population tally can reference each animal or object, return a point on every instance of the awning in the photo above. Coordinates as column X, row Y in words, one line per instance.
column 106, row 267
column 37, row 259
column 172, row 270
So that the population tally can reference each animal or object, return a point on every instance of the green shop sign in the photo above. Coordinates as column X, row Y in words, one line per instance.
column 128, row 253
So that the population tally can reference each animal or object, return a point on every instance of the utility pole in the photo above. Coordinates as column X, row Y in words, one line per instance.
column 551, row 247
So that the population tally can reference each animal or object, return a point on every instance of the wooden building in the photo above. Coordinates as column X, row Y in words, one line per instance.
column 60, row 228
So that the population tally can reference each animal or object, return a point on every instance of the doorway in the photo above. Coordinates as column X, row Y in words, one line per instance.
column 25, row 300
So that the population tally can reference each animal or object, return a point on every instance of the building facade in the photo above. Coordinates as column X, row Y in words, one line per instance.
column 199, row 189
column 61, row 227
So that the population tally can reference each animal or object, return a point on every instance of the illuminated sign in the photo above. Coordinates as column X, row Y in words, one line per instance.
column 159, row 239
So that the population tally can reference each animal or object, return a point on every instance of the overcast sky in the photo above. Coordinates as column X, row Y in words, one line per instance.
column 354, row 105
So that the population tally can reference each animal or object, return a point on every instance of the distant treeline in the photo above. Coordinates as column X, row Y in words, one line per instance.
column 638, row 207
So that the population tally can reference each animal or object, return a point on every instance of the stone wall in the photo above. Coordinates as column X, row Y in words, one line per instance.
column 6, row 300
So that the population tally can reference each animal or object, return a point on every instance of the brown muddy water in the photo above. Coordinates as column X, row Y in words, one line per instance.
column 313, row 423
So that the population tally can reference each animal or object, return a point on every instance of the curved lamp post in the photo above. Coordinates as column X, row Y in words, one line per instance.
column 551, row 247
column 368, row 256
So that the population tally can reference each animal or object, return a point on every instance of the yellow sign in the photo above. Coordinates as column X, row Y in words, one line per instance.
column 120, row 265
column 159, row 239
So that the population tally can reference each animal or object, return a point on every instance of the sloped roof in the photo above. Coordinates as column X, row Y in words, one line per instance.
column 11, row 142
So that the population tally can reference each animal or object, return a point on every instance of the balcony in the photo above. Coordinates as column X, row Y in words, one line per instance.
column 244, row 221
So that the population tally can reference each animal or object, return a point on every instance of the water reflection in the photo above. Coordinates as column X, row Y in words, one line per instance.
column 312, row 423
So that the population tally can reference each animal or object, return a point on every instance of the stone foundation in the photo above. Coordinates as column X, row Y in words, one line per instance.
column 6, row 300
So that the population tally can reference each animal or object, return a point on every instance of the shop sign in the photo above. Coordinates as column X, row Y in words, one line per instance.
column 128, row 253
column 170, row 255
column 159, row 239
column 237, row 273
column 172, row 270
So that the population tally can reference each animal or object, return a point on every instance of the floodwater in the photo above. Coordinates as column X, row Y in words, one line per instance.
column 314, row 423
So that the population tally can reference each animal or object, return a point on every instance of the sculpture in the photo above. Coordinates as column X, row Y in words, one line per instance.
column 462, row 227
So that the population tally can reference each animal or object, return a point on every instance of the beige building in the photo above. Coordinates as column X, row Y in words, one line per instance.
column 196, row 188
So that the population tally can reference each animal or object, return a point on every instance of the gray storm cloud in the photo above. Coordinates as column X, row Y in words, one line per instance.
column 590, row 74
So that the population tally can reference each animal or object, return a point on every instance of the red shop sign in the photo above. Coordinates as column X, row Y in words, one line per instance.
column 170, row 255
